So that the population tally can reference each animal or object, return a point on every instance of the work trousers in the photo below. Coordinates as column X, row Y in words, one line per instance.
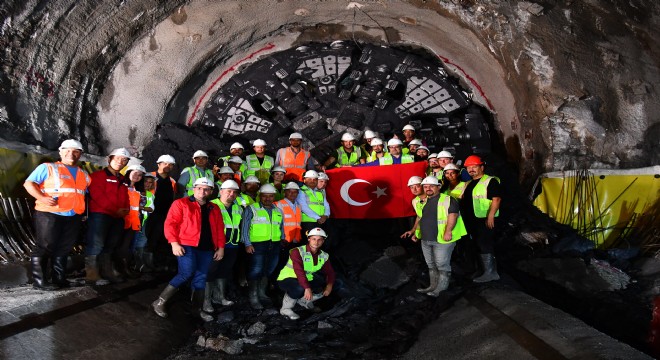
column 437, row 255
column 292, row 287
column 482, row 235
column 104, row 232
column 55, row 234
column 263, row 261
column 123, row 249
column 193, row 267
column 224, row 268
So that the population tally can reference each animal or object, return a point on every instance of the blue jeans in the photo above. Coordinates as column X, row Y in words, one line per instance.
column 263, row 261
column 103, row 233
column 193, row 265
column 140, row 240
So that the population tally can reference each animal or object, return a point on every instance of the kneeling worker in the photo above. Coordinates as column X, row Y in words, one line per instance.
column 301, row 275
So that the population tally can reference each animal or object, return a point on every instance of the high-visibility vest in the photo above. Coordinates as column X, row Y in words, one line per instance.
column 315, row 203
column 154, row 173
column 194, row 175
column 308, row 264
column 457, row 191
column 264, row 227
column 480, row 200
column 295, row 164
column 149, row 204
column 59, row 184
column 244, row 200
column 418, row 205
column 292, row 219
column 387, row 159
column 132, row 219
column 459, row 229
column 225, row 162
column 345, row 158
column 373, row 157
column 232, row 222
column 279, row 194
column 261, row 171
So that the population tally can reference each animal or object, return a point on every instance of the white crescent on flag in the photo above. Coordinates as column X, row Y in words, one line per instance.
column 344, row 192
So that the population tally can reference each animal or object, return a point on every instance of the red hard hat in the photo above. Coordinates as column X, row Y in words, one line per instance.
column 473, row 160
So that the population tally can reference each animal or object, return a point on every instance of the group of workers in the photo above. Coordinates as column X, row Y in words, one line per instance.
column 274, row 208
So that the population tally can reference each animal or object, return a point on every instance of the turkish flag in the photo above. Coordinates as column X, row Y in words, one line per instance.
column 372, row 192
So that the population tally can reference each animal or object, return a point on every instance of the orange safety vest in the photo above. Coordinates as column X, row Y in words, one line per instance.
column 294, row 164
column 292, row 227
column 59, row 184
column 156, row 183
column 132, row 220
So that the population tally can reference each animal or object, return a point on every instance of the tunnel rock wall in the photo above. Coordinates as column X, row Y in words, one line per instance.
column 570, row 83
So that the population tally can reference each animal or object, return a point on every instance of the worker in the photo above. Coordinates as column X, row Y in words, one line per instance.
column 294, row 159
column 149, row 183
column 377, row 151
column 480, row 206
column 224, row 173
column 250, row 195
column 259, row 164
column 277, row 175
column 453, row 186
column 157, row 255
column 108, row 205
column 413, row 145
column 434, row 166
column 313, row 204
column 393, row 156
column 238, row 166
column 408, row 135
column 221, row 271
column 132, row 221
column 440, row 226
column 415, row 186
column 347, row 154
column 422, row 153
column 262, row 234
column 301, row 279
column 292, row 214
column 59, row 189
column 369, row 136
column 190, row 174
column 444, row 158
column 236, row 149
column 322, row 182
column 195, row 230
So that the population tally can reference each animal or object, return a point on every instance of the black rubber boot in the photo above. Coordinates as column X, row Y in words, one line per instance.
column 159, row 304
column 261, row 292
column 105, row 265
column 125, row 269
column 39, row 263
column 253, row 295
column 197, row 303
column 59, row 271
column 219, row 293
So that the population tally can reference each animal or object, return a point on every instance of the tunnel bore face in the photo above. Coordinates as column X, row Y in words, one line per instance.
column 322, row 90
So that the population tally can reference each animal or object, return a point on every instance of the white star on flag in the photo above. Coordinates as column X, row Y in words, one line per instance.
column 379, row 192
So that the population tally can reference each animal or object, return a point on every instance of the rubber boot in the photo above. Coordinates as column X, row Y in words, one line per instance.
column 287, row 307
column 91, row 269
column 253, row 295
column 261, row 292
column 197, row 303
column 490, row 269
column 208, row 293
column 125, row 269
column 59, row 271
column 219, row 296
column 105, row 267
column 38, row 264
column 433, row 281
column 442, row 283
column 309, row 304
column 148, row 262
column 138, row 259
column 159, row 304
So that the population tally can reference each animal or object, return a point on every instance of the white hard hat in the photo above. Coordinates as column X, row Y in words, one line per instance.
column 347, row 137
column 394, row 142
column 368, row 134
column 204, row 182
column 267, row 189
column 415, row 180
column 409, row 127
column 423, row 148
column 137, row 167
column 376, row 141
column 323, row 176
column 417, row 142
column 430, row 180
column 259, row 142
column 252, row 179
column 166, row 158
column 292, row 186
column 317, row 232
column 236, row 145
column 451, row 167
column 277, row 168
column 200, row 153
column 432, row 156
column 311, row 174
column 225, row 170
column 295, row 136
column 445, row 154
column 120, row 152
column 229, row 184
column 71, row 144
column 235, row 159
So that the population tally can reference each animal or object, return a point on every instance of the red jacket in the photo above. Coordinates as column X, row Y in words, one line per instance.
column 107, row 193
column 184, row 223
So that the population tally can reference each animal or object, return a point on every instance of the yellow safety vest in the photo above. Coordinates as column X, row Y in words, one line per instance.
column 457, row 192
column 308, row 264
column 348, row 159
column 194, row 175
column 315, row 203
column 387, row 159
column 232, row 222
column 263, row 227
column 480, row 200
column 261, row 171
column 244, row 200
column 418, row 205
column 459, row 229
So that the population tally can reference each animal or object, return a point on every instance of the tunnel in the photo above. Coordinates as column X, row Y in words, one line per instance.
column 532, row 86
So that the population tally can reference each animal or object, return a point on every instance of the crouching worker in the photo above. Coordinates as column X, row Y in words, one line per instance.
column 195, row 230
column 302, row 275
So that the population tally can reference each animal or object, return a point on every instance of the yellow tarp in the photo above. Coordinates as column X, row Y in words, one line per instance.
column 601, row 205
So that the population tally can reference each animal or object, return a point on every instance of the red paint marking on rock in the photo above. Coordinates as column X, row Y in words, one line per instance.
column 472, row 81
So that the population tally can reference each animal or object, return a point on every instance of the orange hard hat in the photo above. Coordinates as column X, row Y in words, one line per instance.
column 473, row 160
